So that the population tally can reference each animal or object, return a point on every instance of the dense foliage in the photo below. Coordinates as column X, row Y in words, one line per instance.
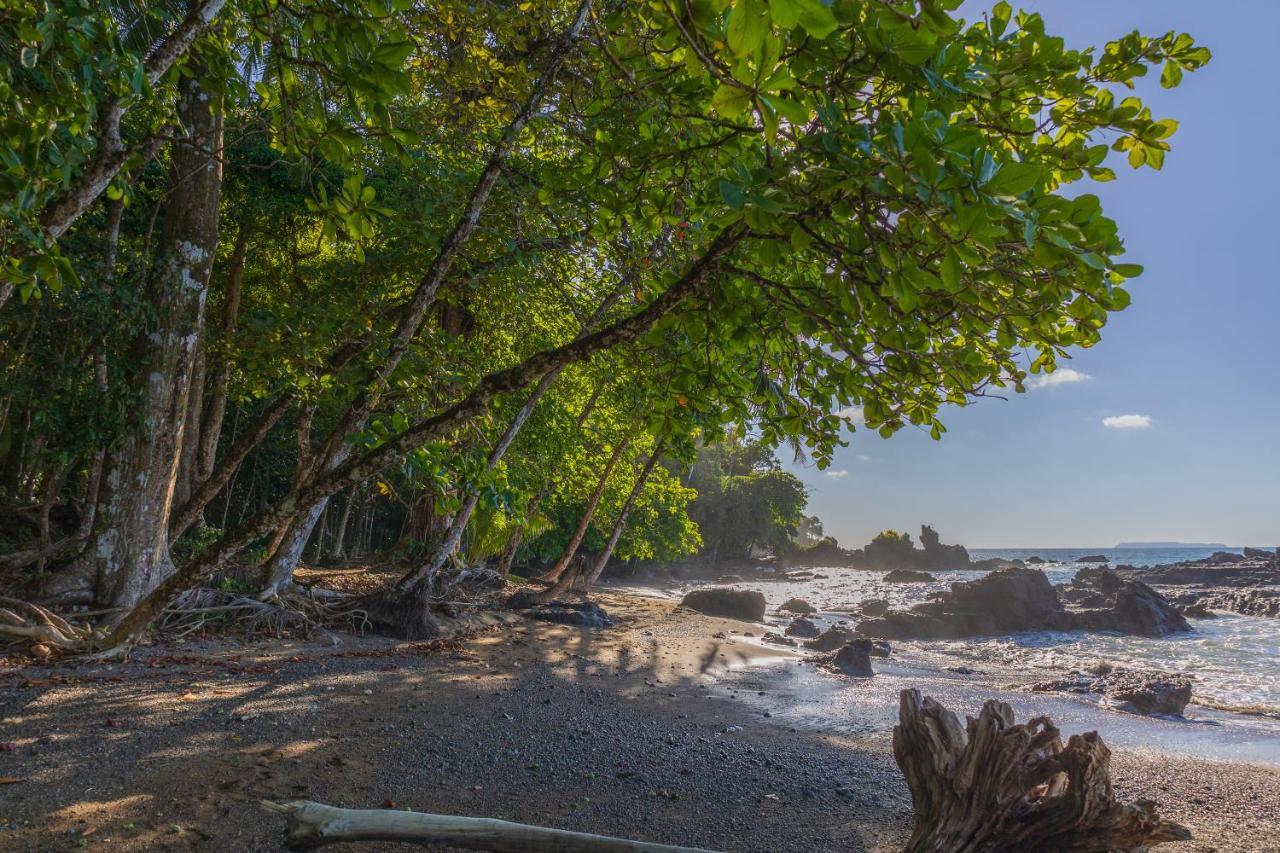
column 468, row 271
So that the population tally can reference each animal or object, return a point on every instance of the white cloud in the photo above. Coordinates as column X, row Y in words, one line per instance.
column 862, row 457
column 1061, row 376
column 1128, row 422
column 853, row 413
column 836, row 474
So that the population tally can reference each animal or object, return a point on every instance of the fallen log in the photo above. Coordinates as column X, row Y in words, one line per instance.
column 311, row 825
column 995, row 785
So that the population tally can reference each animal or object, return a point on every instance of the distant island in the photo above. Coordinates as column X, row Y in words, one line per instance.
column 1171, row 545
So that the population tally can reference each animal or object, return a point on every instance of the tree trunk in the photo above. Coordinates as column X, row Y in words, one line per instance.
column 588, row 511
column 513, row 540
column 340, row 539
column 219, row 377
column 620, row 523
column 129, row 552
column 187, row 460
column 1001, row 787
column 453, row 536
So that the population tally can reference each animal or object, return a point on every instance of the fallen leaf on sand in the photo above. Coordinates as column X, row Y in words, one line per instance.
column 10, row 780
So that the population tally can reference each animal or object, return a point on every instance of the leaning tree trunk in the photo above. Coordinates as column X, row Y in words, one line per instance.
column 588, row 511
column 1001, row 787
column 592, row 574
column 129, row 552
column 220, row 375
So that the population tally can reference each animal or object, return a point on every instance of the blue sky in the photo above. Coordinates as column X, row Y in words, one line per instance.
column 1197, row 353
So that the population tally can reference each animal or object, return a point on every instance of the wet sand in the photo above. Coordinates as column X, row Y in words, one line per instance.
column 654, row 729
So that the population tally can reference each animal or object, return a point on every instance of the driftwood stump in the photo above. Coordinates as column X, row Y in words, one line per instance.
column 996, row 785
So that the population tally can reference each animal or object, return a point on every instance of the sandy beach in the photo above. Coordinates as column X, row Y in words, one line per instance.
column 655, row 729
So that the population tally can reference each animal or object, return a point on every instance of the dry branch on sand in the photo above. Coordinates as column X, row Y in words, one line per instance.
column 996, row 785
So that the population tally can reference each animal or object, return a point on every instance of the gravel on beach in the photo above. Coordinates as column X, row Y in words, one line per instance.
column 614, row 731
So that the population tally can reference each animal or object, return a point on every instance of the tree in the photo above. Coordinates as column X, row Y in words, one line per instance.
column 811, row 206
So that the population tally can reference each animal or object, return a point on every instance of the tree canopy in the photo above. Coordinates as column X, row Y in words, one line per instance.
column 481, row 266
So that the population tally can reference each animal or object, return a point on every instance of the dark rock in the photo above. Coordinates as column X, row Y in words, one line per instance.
column 1196, row 611
column 1125, row 606
column 582, row 614
column 995, row 564
column 1035, row 561
column 1134, row 691
column 1261, row 554
column 853, row 659
column 1226, row 557
column 831, row 639
column 1002, row 602
column 1093, row 558
column 798, row 605
column 874, row 607
column 802, row 627
column 778, row 639
column 1248, row 574
column 908, row 576
column 730, row 603
column 1251, row 602
column 960, row 670
column 729, row 579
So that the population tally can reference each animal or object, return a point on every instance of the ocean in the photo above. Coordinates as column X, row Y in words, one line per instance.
column 1233, row 660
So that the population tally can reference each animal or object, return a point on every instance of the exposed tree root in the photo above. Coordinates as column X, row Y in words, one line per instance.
column 1000, row 787
column 42, row 627
column 311, row 825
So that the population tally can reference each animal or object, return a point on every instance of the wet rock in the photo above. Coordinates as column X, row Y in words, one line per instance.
column 853, row 659
column 1002, row 602
column 995, row 564
column 1261, row 554
column 1226, row 557
column 1251, row 602
column 729, row 579
column 1035, row 561
column 778, row 639
column 873, row 607
column 1093, row 558
column 1133, row 691
column 831, row 639
column 961, row 670
column 1246, row 573
column 1196, row 611
column 908, row 576
column 1113, row 603
column 730, row 603
column 581, row 614
column 802, row 627
column 798, row 605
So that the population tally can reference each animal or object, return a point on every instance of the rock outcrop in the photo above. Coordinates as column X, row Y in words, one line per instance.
column 1246, row 602
column 1093, row 558
column 908, row 576
column 1111, row 603
column 832, row 639
column 1014, row 600
column 1251, row 572
column 853, row 659
column 1133, row 691
column 802, row 627
column 798, row 605
column 743, row 604
column 581, row 614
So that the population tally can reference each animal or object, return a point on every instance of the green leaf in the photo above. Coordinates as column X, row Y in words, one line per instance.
column 1014, row 179
column 732, row 195
column 747, row 26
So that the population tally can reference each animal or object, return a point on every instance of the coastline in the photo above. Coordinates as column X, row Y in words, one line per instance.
column 654, row 729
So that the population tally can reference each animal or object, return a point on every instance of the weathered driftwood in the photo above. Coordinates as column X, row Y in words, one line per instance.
column 311, row 825
column 1001, row 786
